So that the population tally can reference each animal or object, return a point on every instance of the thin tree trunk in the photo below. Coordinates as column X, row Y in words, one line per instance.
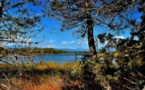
column 1, row 8
column 90, row 25
column 91, row 42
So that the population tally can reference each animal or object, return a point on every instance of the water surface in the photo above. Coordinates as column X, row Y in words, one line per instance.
column 59, row 58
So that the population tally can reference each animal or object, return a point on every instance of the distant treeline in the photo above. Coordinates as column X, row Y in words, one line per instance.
column 36, row 50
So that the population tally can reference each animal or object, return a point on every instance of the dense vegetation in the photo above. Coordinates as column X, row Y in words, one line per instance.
column 123, row 70
column 44, row 76
column 35, row 51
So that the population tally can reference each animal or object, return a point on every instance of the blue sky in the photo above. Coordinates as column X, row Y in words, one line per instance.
column 52, row 37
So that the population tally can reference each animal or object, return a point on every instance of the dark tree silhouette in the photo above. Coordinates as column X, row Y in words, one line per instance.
column 82, row 16
column 17, row 20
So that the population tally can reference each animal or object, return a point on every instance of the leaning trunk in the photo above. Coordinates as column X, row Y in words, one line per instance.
column 91, row 42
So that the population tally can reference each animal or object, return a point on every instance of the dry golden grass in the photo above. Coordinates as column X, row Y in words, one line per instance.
column 39, row 83
column 69, row 66
column 44, row 66
column 100, row 55
column 5, row 66
column 115, row 55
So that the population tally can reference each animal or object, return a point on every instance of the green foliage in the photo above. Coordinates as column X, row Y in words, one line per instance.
column 126, row 71
column 89, row 77
column 35, row 51
column 86, row 74
column 101, row 37
column 18, row 22
column 102, row 50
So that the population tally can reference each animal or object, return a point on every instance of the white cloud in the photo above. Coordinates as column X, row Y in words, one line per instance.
column 120, row 37
column 56, row 46
column 66, row 42
column 83, row 42
column 72, row 42
column 15, row 41
column 18, row 42
column 52, row 41
column 79, row 42
column 50, row 46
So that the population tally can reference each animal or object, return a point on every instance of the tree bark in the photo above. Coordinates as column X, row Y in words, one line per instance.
column 90, row 25
column 91, row 42
column 90, row 33
column 1, row 8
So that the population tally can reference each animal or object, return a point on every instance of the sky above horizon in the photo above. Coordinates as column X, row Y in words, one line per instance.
column 52, row 37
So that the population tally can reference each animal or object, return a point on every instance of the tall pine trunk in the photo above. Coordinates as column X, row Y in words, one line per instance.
column 91, row 42
column 90, row 25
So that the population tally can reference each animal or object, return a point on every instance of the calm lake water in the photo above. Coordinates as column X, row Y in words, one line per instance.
column 59, row 58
